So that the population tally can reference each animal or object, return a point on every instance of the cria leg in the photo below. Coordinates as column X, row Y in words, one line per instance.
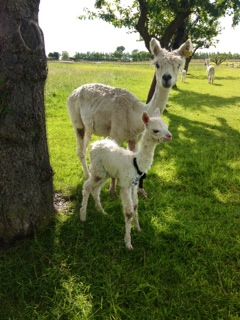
column 127, row 203
column 96, row 190
column 132, row 147
column 135, row 207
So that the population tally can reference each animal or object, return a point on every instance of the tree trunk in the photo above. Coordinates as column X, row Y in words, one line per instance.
column 152, row 89
column 189, row 59
column 26, row 189
column 187, row 62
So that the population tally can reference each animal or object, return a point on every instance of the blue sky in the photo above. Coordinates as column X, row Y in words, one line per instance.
column 64, row 31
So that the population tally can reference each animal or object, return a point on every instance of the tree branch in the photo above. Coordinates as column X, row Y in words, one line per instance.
column 172, row 28
column 142, row 24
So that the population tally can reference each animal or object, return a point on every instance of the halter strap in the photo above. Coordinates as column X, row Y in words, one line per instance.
column 142, row 175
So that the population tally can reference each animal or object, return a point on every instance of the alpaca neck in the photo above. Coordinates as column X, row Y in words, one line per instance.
column 145, row 153
column 158, row 101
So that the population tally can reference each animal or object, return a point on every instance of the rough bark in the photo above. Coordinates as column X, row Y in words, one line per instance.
column 152, row 89
column 142, row 25
column 173, row 27
column 26, row 189
column 187, row 62
column 189, row 59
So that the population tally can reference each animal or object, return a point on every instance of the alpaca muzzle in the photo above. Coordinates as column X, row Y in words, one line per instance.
column 167, row 80
column 168, row 137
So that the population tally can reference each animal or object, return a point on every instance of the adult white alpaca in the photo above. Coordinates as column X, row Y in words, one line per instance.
column 110, row 160
column 210, row 71
column 112, row 112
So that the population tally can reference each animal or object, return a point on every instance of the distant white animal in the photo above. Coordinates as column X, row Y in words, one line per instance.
column 210, row 71
column 112, row 112
column 109, row 160
column 184, row 75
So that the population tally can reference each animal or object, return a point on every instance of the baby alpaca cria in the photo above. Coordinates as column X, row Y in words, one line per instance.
column 108, row 160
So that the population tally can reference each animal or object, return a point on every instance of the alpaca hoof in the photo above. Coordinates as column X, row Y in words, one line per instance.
column 139, row 229
column 104, row 213
column 129, row 247
column 113, row 193
column 82, row 215
column 142, row 193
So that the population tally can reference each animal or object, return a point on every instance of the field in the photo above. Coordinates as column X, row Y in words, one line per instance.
column 186, row 261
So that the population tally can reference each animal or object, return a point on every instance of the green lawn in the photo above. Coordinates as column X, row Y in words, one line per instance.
column 186, row 262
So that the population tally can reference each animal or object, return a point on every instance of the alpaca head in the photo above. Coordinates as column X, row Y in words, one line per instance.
column 168, row 63
column 156, row 129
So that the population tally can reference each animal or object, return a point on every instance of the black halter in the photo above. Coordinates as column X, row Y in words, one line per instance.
column 139, row 172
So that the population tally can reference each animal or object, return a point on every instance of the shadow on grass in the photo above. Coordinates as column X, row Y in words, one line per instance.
column 178, row 267
column 185, row 261
column 196, row 100
column 217, row 77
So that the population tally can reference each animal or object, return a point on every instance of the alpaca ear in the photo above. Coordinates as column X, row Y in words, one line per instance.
column 145, row 118
column 155, row 46
column 185, row 50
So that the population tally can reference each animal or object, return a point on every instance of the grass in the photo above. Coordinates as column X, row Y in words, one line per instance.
column 186, row 261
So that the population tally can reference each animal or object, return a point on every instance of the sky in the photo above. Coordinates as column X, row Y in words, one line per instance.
column 63, row 31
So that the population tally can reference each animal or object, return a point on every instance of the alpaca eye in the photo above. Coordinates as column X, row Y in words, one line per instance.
column 156, row 131
column 157, row 66
column 179, row 66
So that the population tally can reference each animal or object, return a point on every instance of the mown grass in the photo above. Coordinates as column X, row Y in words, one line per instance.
column 186, row 261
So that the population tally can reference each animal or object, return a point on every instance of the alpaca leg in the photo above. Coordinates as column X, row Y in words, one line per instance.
column 127, row 203
column 87, row 188
column 96, row 194
column 81, row 149
column 132, row 145
column 113, row 187
column 135, row 207
column 87, row 138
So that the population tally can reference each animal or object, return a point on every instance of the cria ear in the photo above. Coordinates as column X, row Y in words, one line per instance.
column 185, row 50
column 155, row 46
column 145, row 118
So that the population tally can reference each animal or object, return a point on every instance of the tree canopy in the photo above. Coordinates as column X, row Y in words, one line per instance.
column 170, row 21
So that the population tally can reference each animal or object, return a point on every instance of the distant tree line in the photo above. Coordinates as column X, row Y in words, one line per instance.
column 135, row 55
column 212, row 56
column 117, row 55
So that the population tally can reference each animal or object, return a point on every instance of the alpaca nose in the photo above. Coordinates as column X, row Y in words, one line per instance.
column 168, row 136
column 166, row 77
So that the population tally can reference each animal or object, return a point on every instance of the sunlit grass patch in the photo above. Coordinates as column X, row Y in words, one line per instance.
column 185, row 263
